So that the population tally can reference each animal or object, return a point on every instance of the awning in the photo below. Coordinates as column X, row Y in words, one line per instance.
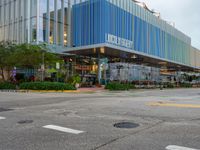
column 112, row 51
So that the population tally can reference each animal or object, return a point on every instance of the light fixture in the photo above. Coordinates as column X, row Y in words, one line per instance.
column 94, row 50
column 134, row 56
column 162, row 63
column 102, row 50
column 65, row 34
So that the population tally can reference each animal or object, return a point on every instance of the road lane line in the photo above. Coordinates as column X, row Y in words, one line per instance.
column 62, row 129
column 174, row 105
column 175, row 147
column 1, row 118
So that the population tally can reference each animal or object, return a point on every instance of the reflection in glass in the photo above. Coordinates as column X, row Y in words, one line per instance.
column 59, row 22
column 33, row 31
column 51, row 9
column 19, row 21
column 33, row 8
column 65, row 21
column 43, row 8
column 42, row 29
column 42, row 21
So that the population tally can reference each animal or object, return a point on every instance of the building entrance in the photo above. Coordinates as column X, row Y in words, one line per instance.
column 85, row 67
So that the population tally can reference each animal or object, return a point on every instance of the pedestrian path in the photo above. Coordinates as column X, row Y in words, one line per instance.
column 92, row 89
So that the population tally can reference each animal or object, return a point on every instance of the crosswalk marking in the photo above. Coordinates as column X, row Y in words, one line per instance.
column 63, row 129
column 1, row 118
column 175, row 147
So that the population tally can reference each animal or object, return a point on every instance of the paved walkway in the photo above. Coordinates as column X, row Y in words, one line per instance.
column 92, row 89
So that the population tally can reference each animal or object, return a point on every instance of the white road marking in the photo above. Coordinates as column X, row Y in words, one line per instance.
column 174, row 147
column 63, row 129
column 1, row 118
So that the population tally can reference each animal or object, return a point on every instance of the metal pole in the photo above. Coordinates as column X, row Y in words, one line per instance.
column 57, row 75
column 99, row 69
column 43, row 66
column 69, row 13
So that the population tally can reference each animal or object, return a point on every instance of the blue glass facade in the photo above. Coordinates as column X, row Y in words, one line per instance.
column 129, row 26
column 65, row 24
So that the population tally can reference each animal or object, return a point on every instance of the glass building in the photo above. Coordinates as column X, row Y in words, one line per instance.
column 124, row 28
column 35, row 21
column 110, row 28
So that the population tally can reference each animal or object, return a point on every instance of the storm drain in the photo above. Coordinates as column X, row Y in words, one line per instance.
column 5, row 109
column 25, row 121
column 126, row 125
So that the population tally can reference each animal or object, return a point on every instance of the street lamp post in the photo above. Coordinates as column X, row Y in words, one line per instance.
column 43, row 65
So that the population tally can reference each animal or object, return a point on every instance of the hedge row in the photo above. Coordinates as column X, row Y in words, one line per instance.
column 181, row 85
column 46, row 86
column 185, row 85
column 7, row 86
column 115, row 86
column 169, row 85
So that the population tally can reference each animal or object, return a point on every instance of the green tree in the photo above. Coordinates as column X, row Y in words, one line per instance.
column 32, row 56
column 6, row 63
column 25, row 56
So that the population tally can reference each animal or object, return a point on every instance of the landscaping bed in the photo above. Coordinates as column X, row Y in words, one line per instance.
column 7, row 86
column 115, row 86
column 46, row 86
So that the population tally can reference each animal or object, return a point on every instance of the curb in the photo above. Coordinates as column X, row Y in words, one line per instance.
column 46, row 91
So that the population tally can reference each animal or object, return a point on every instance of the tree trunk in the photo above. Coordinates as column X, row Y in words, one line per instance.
column 2, row 73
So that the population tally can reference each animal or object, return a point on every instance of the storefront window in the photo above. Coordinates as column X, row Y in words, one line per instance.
column 33, row 30
column 43, row 8
column 65, row 21
column 51, row 9
column 33, row 8
column 59, row 22
column 42, row 29
column 43, row 21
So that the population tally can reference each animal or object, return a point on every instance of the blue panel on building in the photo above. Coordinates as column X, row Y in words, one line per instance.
column 94, row 20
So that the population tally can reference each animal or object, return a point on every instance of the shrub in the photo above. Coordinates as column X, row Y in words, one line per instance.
column 185, row 85
column 46, row 86
column 115, row 86
column 7, row 85
column 74, row 79
column 168, row 85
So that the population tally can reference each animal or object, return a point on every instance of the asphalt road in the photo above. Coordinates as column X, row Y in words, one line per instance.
column 168, row 120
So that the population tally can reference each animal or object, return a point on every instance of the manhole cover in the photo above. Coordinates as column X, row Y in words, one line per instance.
column 25, row 121
column 127, row 125
column 5, row 109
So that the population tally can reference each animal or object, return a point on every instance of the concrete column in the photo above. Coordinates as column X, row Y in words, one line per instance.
column 99, row 68
column 55, row 22
column 47, row 23
column 37, row 23
column 62, row 26
column 28, row 11
column 69, row 24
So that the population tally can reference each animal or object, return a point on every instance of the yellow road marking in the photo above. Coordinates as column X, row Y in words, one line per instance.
column 163, row 104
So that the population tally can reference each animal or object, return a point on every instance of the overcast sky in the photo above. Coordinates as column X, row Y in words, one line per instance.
column 185, row 14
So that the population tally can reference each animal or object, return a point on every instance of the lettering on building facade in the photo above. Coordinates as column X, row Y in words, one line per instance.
column 112, row 39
